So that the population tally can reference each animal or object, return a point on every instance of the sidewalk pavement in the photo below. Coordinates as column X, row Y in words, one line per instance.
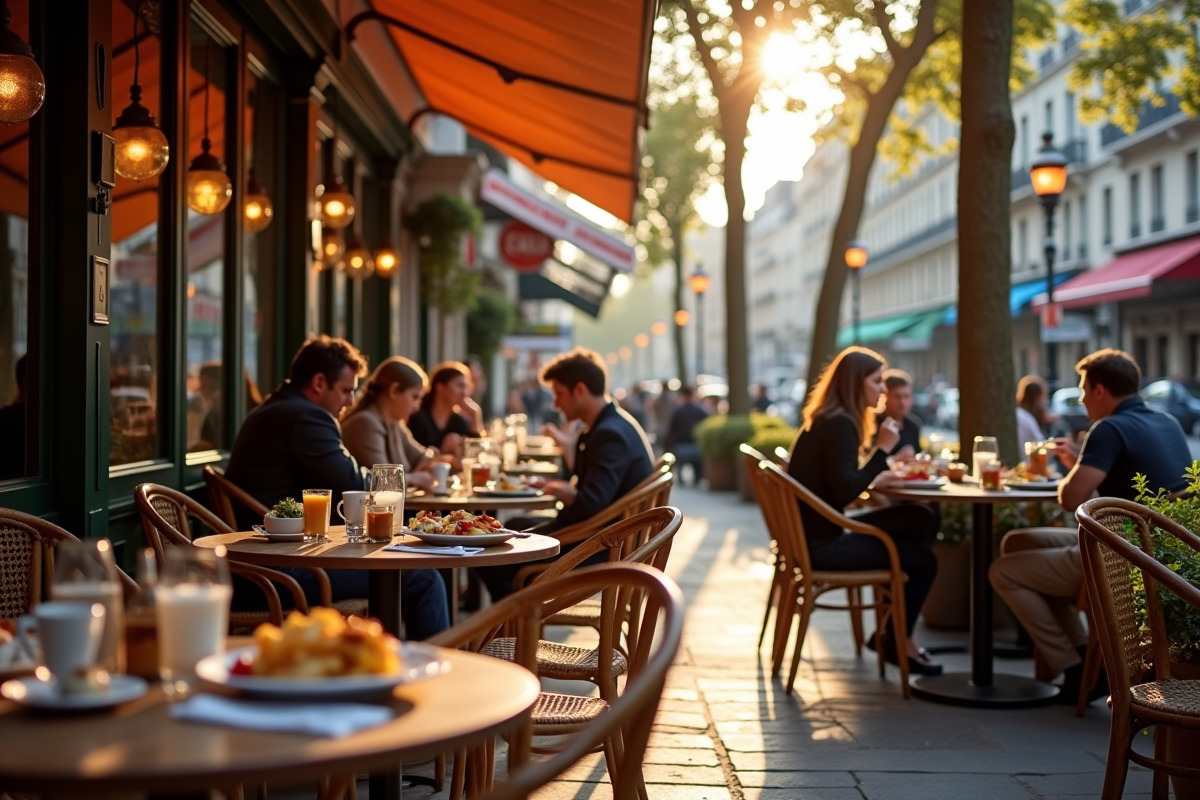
column 727, row 731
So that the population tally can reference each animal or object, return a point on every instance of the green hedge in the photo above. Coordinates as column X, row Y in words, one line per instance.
column 720, row 435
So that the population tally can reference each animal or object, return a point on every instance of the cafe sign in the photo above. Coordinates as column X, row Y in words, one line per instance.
column 523, row 248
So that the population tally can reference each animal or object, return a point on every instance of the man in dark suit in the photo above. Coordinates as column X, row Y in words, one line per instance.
column 681, row 439
column 293, row 442
column 612, row 454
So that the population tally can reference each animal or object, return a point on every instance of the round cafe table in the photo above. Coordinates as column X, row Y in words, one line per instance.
column 137, row 747
column 980, row 687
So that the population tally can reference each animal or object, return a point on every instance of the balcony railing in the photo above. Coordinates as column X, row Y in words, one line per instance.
column 1149, row 115
column 1157, row 223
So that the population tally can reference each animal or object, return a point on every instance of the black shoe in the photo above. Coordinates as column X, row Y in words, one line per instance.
column 919, row 666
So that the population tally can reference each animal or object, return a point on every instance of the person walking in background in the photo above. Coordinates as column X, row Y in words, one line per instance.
column 761, row 401
column 681, row 438
column 375, row 429
column 834, row 458
column 897, row 406
column 436, row 423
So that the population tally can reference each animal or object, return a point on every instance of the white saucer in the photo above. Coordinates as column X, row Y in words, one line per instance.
column 279, row 537
column 35, row 693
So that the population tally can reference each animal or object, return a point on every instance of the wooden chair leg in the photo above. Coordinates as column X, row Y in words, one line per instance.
column 805, row 613
column 785, row 611
column 772, row 600
column 458, row 774
column 1159, row 786
column 439, row 772
column 854, row 600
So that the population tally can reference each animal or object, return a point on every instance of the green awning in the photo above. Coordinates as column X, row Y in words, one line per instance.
column 914, row 325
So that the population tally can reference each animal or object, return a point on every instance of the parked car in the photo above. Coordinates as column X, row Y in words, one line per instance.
column 1175, row 399
column 1072, row 416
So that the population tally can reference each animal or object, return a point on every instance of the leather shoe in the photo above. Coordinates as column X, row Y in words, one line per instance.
column 923, row 665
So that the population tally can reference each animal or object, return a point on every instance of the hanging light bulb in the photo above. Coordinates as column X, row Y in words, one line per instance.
column 209, row 189
column 387, row 259
column 22, row 84
column 142, row 151
column 257, row 210
column 336, row 204
column 357, row 263
column 333, row 246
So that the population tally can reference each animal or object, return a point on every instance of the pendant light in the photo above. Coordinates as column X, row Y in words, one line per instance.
column 333, row 246
column 22, row 84
column 357, row 263
column 142, row 149
column 209, row 189
column 387, row 259
column 258, row 210
column 335, row 204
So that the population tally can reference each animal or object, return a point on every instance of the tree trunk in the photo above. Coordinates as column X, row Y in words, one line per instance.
column 735, row 114
column 986, row 382
column 681, row 368
column 862, row 158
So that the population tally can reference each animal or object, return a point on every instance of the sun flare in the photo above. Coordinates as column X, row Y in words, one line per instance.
column 782, row 58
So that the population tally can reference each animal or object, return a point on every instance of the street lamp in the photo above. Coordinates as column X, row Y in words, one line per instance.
column 699, row 281
column 856, row 259
column 1048, row 172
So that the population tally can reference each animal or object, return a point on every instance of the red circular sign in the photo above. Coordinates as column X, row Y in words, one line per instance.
column 524, row 248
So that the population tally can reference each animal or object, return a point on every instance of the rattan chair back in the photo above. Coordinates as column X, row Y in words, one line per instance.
column 224, row 493
column 1116, row 539
column 628, row 718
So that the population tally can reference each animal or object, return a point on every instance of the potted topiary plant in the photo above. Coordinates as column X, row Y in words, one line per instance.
column 718, row 438
column 286, row 516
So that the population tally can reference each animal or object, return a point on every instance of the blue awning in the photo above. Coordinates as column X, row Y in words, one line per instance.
column 1019, row 295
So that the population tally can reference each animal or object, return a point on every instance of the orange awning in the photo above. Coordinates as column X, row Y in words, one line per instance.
column 559, row 85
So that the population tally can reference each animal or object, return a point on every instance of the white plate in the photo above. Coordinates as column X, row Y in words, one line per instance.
column 471, row 540
column 928, row 483
column 279, row 537
column 528, row 491
column 418, row 662
column 36, row 693
column 1032, row 485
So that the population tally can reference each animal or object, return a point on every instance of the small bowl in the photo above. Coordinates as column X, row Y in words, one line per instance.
column 956, row 471
column 283, row 524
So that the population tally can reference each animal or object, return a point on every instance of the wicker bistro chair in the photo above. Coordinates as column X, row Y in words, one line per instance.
column 805, row 585
column 1110, row 562
column 622, row 725
column 222, row 496
column 27, row 561
column 167, row 519
column 781, row 566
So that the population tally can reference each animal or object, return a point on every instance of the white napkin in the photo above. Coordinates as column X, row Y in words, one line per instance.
column 315, row 719
column 457, row 550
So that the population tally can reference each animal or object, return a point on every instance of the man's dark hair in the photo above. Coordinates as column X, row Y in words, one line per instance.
column 328, row 356
column 578, row 366
column 687, row 391
column 1115, row 370
column 895, row 378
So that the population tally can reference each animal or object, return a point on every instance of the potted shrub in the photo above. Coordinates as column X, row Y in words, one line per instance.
column 286, row 516
column 765, row 440
column 718, row 438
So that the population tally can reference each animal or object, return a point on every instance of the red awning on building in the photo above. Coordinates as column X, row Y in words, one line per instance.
column 559, row 85
column 1130, row 275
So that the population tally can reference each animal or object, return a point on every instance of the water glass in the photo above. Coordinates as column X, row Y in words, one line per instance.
column 192, row 603
column 387, row 489
column 984, row 452
column 317, row 506
column 86, row 572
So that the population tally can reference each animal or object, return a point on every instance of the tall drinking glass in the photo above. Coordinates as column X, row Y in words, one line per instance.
column 87, row 572
column 984, row 451
column 317, row 505
column 192, row 603
column 387, row 489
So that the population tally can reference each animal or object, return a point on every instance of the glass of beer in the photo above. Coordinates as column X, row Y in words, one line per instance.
column 316, row 514
column 379, row 522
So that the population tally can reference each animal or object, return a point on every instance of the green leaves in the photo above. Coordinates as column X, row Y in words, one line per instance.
column 439, row 225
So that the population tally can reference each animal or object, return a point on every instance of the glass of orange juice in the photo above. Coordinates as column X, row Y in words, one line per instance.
column 316, row 514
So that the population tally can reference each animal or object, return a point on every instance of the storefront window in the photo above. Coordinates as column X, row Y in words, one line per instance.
column 207, row 82
column 133, row 273
column 16, row 448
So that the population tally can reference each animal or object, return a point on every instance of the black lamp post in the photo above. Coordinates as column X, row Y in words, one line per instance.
column 1048, row 172
column 856, row 259
column 699, row 281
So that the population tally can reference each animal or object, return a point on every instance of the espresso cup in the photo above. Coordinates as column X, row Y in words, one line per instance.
column 352, row 508
column 68, row 632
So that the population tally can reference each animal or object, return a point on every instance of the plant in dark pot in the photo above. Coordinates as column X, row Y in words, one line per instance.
column 718, row 438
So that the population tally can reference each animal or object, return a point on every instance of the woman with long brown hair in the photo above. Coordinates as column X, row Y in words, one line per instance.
column 437, row 422
column 833, row 457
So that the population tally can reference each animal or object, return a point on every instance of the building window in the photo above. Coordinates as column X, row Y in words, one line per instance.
column 1049, row 128
column 1084, row 227
column 1140, row 352
column 1108, row 215
column 1192, row 186
column 1024, row 142
column 1156, row 199
column 1135, row 206
column 1066, row 225
column 1163, row 351
column 1022, row 245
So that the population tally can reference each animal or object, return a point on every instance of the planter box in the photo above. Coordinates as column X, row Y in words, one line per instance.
column 721, row 474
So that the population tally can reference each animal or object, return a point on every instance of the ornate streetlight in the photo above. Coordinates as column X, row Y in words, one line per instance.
column 856, row 259
column 699, row 281
column 1048, row 172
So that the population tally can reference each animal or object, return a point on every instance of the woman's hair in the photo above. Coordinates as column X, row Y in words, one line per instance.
column 840, row 390
column 398, row 370
column 444, row 373
column 1030, row 391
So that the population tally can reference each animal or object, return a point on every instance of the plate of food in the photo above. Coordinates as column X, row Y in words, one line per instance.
column 322, row 654
column 917, row 482
column 1031, row 484
column 464, row 539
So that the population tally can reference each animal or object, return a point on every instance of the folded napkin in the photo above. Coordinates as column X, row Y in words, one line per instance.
column 436, row 550
column 315, row 719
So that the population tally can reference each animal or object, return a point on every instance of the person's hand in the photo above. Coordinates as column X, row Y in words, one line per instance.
column 888, row 435
column 554, row 432
column 560, row 490
column 1066, row 451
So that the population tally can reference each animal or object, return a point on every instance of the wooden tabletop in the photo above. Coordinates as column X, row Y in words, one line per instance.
column 965, row 493
column 339, row 554
column 427, row 501
column 137, row 747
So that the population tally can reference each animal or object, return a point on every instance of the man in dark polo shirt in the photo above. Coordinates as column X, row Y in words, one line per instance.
column 897, row 404
column 1040, row 572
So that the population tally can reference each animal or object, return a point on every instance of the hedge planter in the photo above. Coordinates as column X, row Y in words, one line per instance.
column 721, row 474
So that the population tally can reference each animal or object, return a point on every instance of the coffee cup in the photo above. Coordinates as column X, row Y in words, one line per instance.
column 441, row 474
column 68, row 633
column 352, row 508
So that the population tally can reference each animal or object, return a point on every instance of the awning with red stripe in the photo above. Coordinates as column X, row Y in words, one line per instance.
column 1130, row 275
